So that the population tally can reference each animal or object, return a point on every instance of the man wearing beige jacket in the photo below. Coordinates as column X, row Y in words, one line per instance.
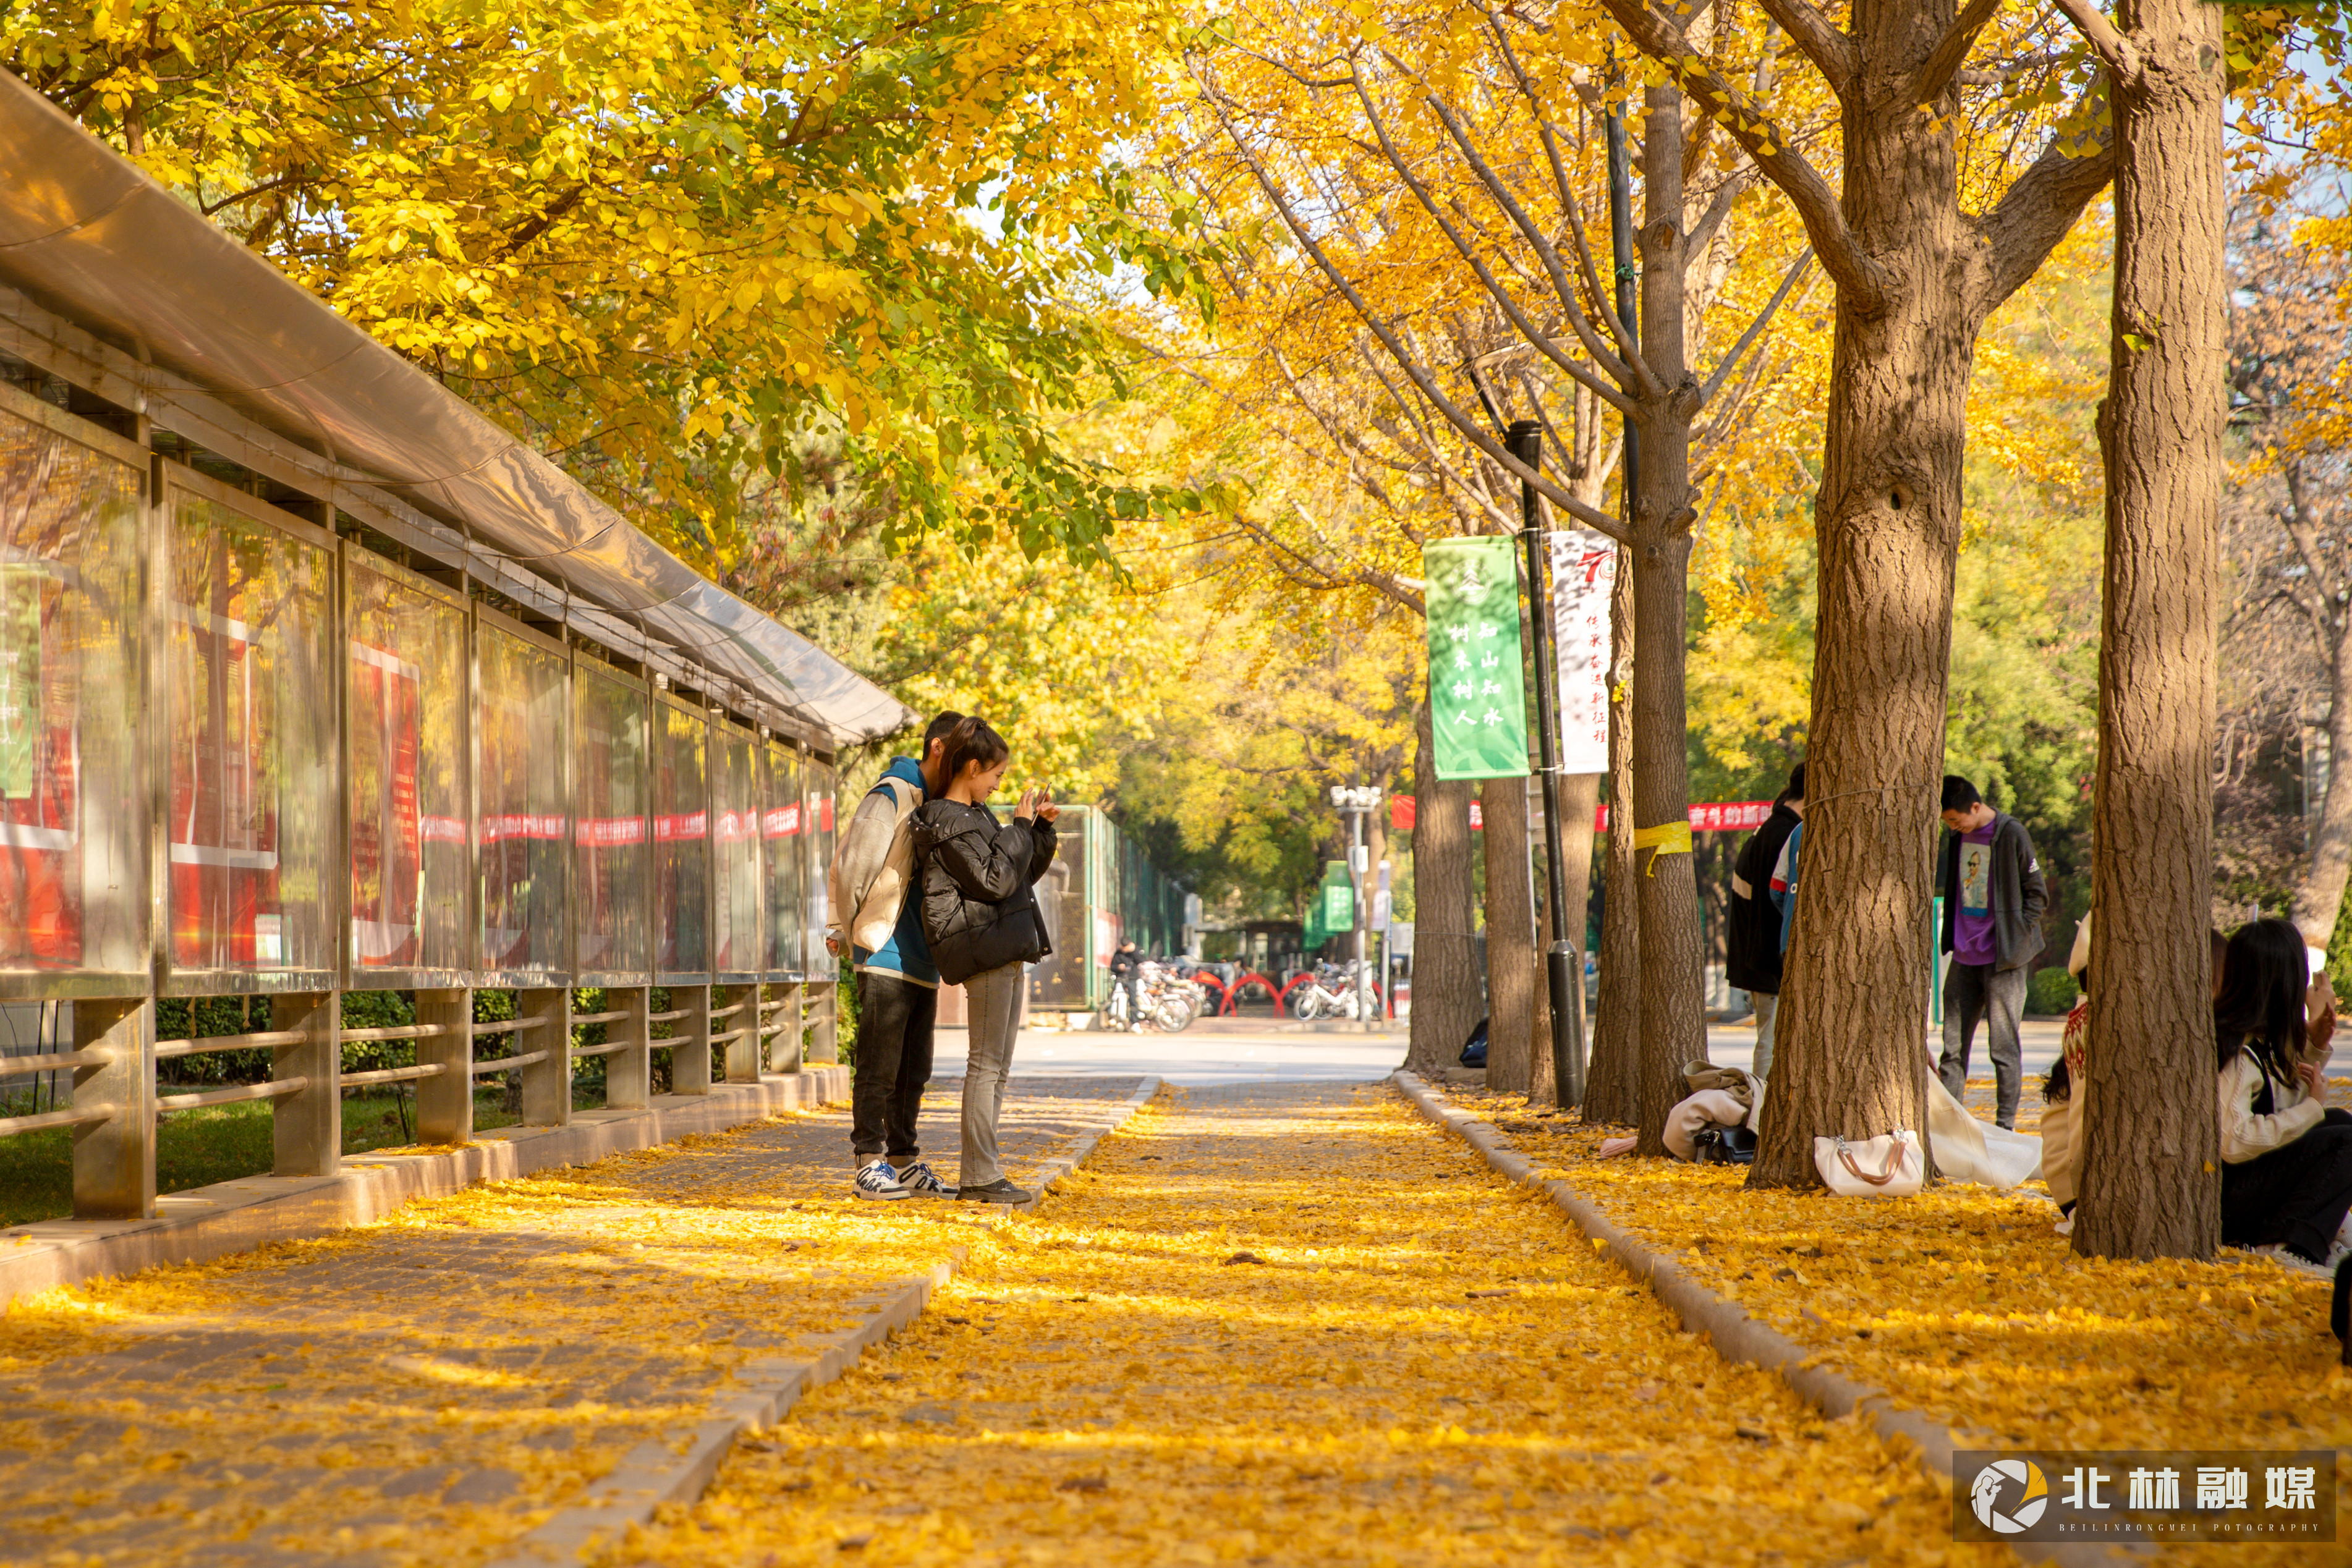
column 873, row 882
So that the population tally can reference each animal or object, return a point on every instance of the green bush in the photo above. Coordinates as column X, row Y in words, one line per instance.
column 2052, row 993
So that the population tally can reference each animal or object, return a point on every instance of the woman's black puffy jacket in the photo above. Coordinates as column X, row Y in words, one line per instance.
column 978, row 912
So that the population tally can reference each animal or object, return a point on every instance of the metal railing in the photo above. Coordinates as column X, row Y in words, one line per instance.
column 118, row 1097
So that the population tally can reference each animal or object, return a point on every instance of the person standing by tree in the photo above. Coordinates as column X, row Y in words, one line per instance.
column 1753, row 962
column 870, row 880
column 1993, row 900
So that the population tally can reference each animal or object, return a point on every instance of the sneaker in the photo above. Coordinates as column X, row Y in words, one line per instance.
column 876, row 1180
column 920, row 1178
column 998, row 1191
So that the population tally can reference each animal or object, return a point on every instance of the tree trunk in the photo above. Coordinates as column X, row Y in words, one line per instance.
column 1580, row 797
column 2149, row 1183
column 1445, row 1000
column 1849, row 1053
column 1612, row 1087
column 1673, row 1025
column 2320, row 900
column 1511, row 971
column 1542, row 1089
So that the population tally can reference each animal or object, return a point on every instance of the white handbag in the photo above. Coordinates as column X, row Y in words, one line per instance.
column 1889, row 1165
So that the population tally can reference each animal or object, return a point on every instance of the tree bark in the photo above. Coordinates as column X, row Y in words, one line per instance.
column 1542, row 1089
column 2320, row 900
column 1445, row 1000
column 2149, row 1184
column 1673, row 1025
column 1510, row 935
column 1613, row 1085
column 1580, row 799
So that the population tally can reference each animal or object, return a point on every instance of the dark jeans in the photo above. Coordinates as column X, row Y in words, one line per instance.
column 2297, row 1194
column 894, row 1063
column 1981, row 993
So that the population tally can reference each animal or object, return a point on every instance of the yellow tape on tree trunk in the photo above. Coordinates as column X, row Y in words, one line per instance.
column 1667, row 839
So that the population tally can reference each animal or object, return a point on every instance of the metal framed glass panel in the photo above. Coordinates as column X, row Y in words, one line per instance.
column 74, row 806
column 735, row 944
column 250, row 750
column 522, row 825
column 818, row 780
column 405, row 702
column 614, row 866
column 681, row 840
column 780, row 830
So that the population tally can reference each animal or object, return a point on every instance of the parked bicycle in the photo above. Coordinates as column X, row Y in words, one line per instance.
column 1169, row 1002
column 1328, row 991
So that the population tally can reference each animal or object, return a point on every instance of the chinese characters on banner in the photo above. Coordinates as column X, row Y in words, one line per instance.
column 1478, row 696
column 1584, row 568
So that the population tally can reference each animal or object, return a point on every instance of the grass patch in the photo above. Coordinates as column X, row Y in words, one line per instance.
column 197, row 1148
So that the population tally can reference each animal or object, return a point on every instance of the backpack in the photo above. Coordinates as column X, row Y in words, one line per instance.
column 1474, row 1051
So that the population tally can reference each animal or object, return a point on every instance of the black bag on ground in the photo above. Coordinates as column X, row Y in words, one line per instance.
column 1474, row 1050
column 1720, row 1146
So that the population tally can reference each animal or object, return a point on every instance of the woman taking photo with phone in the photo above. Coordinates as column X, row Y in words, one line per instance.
column 982, row 922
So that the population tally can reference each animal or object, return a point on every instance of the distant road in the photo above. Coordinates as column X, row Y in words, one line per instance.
column 1243, row 1051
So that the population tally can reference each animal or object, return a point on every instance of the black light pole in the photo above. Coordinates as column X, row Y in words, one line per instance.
column 1525, row 439
column 1621, row 243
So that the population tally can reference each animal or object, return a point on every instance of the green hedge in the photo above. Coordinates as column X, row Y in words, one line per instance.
column 2052, row 993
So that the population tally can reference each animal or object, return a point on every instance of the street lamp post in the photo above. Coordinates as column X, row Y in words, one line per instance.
column 1561, row 979
column 1356, row 800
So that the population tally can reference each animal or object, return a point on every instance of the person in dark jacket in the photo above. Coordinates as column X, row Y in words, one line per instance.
column 1753, row 962
column 981, row 923
column 1993, row 899
column 1126, row 973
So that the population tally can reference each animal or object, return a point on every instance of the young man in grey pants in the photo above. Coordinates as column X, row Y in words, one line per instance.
column 1993, row 900
column 871, row 886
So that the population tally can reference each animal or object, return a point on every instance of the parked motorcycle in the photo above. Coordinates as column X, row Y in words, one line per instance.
column 1170, row 1002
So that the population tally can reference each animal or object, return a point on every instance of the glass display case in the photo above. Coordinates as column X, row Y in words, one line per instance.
column 681, row 840
column 613, row 867
column 819, row 782
column 249, row 742
column 522, row 827
column 405, row 704
column 782, row 856
column 74, row 881
column 736, row 953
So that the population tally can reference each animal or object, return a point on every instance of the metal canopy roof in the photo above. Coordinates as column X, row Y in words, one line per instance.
column 87, row 235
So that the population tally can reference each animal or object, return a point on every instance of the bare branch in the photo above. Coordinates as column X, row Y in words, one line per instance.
column 1617, row 369
column 1858, row 277
column 1950, row 50
column 1755, row 330
column 1414, row 371
column 1832, row 52
column 2120, row 55
column 2033, row 215
column 1603, row 303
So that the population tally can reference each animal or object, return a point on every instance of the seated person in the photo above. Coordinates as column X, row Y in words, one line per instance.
column 2286, row 1171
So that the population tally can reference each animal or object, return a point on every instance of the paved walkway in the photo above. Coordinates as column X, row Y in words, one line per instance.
column 1293, row 1324
column 423, row 1390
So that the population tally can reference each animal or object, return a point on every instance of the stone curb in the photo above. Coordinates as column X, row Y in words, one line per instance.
column 660, row 1470
column 1734, row 1334
column 208, row 1222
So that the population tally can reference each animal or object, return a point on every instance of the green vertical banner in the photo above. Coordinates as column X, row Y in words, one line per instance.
column 1478, row 688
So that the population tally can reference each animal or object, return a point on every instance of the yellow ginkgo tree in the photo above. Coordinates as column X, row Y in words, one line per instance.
column 665, row 238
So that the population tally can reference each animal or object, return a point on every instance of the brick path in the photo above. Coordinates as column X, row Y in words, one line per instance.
column 1294, row 1324
column 423, row 1390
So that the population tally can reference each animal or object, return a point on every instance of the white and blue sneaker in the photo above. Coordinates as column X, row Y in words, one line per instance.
column 875, row 1179
column 924, row 1182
